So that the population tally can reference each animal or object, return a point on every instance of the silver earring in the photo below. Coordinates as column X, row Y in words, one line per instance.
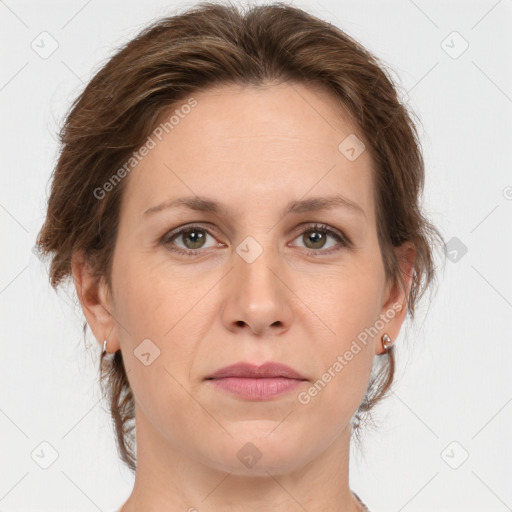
column 104, row 346
column 386, row 342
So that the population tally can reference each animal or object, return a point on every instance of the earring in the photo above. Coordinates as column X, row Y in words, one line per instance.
column 104, row 346
column 386, row 342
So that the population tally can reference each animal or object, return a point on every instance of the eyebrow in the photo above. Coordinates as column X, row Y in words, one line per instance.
column 313, row 204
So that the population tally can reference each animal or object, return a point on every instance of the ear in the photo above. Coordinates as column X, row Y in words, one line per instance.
column 95, row 300
column 395, row 297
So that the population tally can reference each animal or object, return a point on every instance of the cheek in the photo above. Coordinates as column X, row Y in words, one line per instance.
column 350, row 307
column 345, row 361
column 152, row 298
column 157, row 305
column 348, row 300
column 332, row 400
column 158, row 308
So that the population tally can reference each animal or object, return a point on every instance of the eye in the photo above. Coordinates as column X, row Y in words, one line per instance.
column 193, row 237
column 315, row 238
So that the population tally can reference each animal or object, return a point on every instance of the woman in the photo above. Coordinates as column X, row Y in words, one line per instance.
column 237, row 201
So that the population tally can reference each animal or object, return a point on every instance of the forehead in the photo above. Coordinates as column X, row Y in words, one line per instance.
column 249, row 143
column 279, row 116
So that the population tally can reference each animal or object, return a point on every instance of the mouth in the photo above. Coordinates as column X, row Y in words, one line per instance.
column 265, row 371
column 256, row 389
column 252, row 382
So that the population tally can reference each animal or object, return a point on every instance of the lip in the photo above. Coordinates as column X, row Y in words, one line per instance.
column 253, row 382
column 256, row 389
column 267, row 370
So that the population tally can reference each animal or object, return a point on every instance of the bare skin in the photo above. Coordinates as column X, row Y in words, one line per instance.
column 302, row 302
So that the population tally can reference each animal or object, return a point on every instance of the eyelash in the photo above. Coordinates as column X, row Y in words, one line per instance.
column 322, row 228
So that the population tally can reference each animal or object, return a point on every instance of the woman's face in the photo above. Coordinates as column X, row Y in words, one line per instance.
column 256, row 283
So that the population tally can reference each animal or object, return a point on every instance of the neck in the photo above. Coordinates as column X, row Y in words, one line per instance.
column 168, row 479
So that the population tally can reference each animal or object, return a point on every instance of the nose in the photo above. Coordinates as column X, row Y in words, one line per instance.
column 257, row 296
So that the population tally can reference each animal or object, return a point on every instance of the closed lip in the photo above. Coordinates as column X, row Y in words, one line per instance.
column 267, row 370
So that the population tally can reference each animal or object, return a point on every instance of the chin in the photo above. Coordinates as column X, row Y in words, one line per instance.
column 254, row 454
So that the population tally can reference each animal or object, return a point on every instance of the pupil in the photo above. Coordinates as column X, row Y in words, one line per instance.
column 316, row 237
column 194, row 234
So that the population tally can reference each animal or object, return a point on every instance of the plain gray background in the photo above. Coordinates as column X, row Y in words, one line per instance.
column 445, row 440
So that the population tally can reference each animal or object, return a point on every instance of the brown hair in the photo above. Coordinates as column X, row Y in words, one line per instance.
column 210, row 45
